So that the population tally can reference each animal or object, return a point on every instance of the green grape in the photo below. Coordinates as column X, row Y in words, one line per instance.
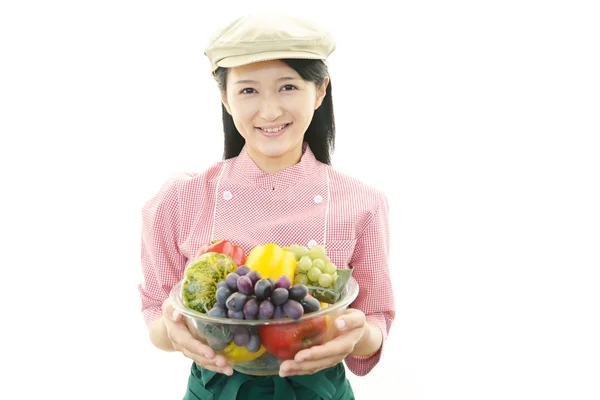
column 325, row 280
column 317, row 251
column 301, row 279
column 319, row 263
column 313, row 274
column 329, row 268
column 334, row 276
column 298, row 250
column 304, row 264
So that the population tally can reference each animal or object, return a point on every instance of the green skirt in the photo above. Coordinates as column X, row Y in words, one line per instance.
column 328, row 384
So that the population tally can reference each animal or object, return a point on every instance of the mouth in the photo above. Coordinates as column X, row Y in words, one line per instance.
column 275, row 131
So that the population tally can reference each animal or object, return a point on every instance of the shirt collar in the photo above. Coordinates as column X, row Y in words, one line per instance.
column 245, row 166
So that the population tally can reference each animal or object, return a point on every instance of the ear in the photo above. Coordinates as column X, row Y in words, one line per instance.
column 225, row 103
column 321, row 92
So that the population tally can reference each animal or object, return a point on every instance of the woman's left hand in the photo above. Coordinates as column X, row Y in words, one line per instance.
column 351, row 327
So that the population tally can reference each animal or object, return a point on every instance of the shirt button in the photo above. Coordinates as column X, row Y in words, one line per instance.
column 312, row 243
column 318, row 199
column 227, row 195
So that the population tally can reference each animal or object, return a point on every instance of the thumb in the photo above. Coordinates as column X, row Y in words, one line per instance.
column 350, row 320
column 169, row 311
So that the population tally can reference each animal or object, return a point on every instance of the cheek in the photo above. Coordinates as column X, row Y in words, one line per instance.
column 242, row 115
column 303, row 110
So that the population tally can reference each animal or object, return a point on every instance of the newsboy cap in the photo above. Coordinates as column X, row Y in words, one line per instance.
column 268, row 36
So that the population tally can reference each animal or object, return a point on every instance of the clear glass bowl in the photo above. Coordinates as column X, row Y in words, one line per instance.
column 281, row 338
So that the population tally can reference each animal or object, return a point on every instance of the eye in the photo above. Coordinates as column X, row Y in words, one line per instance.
column 247, row 91
column 287, row 88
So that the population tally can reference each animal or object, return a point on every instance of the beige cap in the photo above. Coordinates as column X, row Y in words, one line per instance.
column 262, row 37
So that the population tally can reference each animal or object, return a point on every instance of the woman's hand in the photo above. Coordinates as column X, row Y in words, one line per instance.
column 352, row 329
column 192, row 348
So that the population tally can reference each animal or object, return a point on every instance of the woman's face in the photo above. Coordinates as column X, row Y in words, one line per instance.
column 272, row 106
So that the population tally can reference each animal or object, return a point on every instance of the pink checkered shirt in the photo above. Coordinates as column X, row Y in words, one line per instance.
column 308, row 203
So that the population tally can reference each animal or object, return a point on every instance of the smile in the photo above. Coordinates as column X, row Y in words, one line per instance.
column 274, row 131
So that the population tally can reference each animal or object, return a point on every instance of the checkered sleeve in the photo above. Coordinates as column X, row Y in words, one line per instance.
column 162, row 262
column 371, row 270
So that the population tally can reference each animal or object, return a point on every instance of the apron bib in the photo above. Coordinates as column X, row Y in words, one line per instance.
column 236, row 218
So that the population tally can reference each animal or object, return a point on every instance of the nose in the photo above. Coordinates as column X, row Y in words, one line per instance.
column 270, row 109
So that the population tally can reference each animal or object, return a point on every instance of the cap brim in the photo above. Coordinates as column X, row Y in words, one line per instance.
column 237, row 61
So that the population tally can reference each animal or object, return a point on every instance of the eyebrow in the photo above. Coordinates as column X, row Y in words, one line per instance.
column 285, row 78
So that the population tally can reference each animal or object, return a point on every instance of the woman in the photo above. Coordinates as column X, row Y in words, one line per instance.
column 275, row 185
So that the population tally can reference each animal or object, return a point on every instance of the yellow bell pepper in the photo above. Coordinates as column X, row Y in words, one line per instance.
column 240, row 354
column 271, row 261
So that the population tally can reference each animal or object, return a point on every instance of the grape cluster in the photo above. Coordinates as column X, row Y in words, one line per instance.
column 313, row 267
column 244, row 295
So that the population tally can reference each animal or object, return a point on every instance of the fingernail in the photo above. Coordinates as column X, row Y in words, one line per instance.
column 174, row 315
column 341, row 324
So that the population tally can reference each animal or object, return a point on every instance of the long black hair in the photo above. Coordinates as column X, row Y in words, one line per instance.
column 320, row 134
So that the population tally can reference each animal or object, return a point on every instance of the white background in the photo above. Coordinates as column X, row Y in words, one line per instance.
column 479, row 119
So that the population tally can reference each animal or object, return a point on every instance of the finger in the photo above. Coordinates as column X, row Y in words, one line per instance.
column 352, row 319
column 218, row 364
column 180, row 335
column 169, row 312
column 290, row 367
column 341, row 345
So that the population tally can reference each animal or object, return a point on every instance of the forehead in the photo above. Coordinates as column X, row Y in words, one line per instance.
column 262, row 71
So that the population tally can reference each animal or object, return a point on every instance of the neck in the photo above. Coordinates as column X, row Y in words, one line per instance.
column 272, row 165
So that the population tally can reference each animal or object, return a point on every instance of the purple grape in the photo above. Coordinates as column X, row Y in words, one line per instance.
column 293, row 309
column 235, row 314
column 231, row 280
column 236, row 301
column 237, row 329
column 222, row 295
column 279, row 296
column 241, row 338
column 218, row 311
column 254, row 276
column 242, row 270
column 254, row 344
column 272, row 282
column 263, row 289
column 278, row 313
column 284, row 282
column 221, row 284
column 310, row 304
column 251, row 309
column 244, row 285
column 298, row 292
column 265, row 310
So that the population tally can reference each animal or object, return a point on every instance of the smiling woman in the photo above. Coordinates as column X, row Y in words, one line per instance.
column 276, row 177
column 272, row 107
column 296, row 89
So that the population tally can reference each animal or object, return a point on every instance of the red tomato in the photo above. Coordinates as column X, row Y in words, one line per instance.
column 284, row 341
column 224, row 247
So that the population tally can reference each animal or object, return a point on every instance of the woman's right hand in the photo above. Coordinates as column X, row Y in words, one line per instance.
column 183, row 341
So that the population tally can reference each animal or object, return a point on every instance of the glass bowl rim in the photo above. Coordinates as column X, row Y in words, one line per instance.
column 349, row 293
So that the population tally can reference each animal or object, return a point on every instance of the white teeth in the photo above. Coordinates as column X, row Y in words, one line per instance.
column 274, row 129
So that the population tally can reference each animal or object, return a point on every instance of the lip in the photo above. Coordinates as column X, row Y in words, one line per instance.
column 274, row 134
